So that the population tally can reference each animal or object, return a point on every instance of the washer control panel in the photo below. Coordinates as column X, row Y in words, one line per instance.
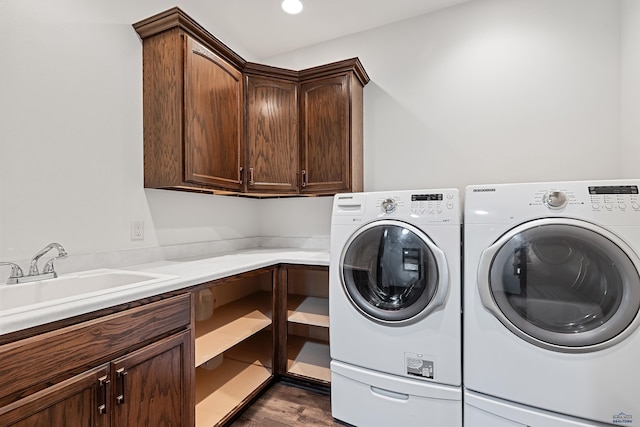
column 437, row 206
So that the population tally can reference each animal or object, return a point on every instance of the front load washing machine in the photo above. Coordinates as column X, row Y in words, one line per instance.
column 394, row 306
column 551, row 304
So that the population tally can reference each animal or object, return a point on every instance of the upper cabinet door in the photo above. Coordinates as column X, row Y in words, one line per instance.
column 325, row 135
column 213, row 119
column 272, row 135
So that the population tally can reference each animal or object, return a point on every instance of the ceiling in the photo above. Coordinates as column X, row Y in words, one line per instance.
column 263, row 30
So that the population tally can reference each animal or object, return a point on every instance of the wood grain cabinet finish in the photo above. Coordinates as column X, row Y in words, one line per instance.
column 272, row 135
column 331, row 132
column 152, row 385
column 213, row 99
column 193, row 102
column 73, row 402
column 130, row 368
column 215, row 122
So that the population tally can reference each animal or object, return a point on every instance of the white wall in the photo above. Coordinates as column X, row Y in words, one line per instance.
column 71, row 134
column 489, row 91
column 630, row 89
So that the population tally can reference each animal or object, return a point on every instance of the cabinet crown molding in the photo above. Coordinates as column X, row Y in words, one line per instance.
column 177, row 18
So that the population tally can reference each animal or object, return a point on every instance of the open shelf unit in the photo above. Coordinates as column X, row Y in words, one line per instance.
column 234, row 347
column 307, row 319
column 231, row 324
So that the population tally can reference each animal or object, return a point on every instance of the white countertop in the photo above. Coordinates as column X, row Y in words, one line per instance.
column 183, row 274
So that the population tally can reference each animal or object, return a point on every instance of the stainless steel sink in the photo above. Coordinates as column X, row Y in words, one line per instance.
column 70, row 287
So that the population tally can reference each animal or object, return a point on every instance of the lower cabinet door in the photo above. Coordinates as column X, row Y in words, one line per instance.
column 154, row 385
column 80, row 401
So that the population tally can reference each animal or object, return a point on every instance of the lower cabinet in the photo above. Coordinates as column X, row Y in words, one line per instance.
column 130, row 368
column 152, row 385
column 305, row 335
column 78, row 401
column 197, row 358
column 234, row 344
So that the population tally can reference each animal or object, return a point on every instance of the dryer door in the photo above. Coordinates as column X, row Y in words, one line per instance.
column 562, row 284
column 393, row 273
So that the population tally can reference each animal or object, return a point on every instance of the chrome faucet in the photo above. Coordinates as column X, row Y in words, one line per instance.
column 34, row 275
column 48, row 267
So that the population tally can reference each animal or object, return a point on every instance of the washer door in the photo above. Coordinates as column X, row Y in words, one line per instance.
column 393, row 273
column 562, row 284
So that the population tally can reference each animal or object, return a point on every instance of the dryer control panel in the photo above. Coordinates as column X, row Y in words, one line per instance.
column 610, row 202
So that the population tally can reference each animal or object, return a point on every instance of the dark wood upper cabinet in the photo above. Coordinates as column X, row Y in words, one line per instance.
column 193, row 102
column 214, row 122
column 272, row 135
column 213, row 107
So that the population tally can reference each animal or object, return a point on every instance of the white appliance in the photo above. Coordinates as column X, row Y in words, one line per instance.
column 551, row 304
column 394, row 306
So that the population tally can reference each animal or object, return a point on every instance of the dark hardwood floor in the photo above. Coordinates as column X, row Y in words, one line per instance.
column 284, row 404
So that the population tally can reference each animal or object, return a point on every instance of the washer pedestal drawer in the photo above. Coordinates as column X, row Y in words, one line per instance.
column 369, row 398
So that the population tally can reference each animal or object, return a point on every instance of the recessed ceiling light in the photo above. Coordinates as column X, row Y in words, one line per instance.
column 292, row 6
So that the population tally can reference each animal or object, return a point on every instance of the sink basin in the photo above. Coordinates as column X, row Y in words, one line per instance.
column 70, row 287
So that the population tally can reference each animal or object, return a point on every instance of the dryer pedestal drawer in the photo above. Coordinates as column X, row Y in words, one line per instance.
column 481, row 411
column 369, row 398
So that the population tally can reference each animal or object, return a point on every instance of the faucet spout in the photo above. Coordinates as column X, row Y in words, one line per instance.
column 33, row 269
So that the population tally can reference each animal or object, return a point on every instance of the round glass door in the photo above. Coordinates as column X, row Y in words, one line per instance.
column 562, row 284
column 392, row 272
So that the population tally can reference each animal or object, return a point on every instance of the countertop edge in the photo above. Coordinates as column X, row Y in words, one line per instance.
column 186, row 273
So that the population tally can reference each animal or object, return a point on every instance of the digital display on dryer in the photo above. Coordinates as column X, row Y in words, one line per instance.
column 614, row 189
column 426, row 197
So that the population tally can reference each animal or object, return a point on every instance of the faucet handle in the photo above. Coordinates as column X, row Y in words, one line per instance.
column 48, row 267
column 16, row 272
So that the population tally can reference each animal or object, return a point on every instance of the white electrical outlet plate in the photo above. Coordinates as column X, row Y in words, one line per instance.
column 137, row 229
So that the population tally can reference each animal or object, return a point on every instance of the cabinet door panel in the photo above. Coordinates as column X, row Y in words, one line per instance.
column 46, row 356
column 71, row 403
column 325, row 134
column 154, row 385
column 213, row 119
column 272, row 140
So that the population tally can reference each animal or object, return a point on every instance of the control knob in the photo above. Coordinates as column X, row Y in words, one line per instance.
column 555, row 200
column 389, row 205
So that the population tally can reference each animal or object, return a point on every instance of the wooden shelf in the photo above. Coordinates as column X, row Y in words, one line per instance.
column 308, row 358
column 231, row 324
column 256, row 350
column 220, row 391
column 308, row 310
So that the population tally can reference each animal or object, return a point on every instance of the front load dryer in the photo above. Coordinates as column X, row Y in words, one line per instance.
column 394, row 306
column 551, row 304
